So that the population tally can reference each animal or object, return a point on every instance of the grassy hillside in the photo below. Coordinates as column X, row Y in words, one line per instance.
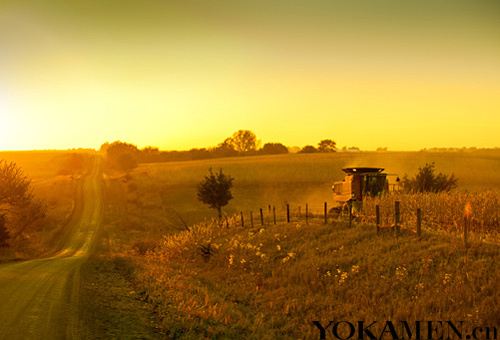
column 272, row 282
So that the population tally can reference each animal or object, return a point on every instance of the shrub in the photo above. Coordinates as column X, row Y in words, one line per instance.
column 426, row 181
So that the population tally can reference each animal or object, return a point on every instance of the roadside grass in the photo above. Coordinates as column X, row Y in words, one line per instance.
column 273, row 282
column 109, row 307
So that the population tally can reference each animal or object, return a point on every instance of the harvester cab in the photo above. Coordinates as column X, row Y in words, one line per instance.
column 359, row 183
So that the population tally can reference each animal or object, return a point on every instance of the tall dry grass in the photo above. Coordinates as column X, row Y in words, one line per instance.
column 272, row 282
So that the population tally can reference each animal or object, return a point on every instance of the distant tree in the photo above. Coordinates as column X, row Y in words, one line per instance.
column 426, row 181
column 4, row 233
column 244, row 141
column 274, row 149
column 122, row 156
column 149, row 154
column 327, row 145
column 199, row 154
column 381, row 149
column 215, row 190
column 225, row 149
column 308, row 149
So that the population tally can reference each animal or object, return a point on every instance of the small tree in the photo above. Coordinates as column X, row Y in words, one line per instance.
column 215, row 190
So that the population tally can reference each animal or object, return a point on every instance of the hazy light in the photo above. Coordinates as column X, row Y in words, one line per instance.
column 182, row 75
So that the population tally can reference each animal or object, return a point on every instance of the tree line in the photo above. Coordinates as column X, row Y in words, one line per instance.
column 125, row 156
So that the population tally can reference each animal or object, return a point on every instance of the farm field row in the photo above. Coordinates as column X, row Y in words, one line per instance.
column 296, row 179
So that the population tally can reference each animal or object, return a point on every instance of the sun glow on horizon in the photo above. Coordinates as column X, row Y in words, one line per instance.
column 331, row 70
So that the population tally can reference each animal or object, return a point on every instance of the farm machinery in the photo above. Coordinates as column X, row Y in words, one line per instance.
column 357, row 184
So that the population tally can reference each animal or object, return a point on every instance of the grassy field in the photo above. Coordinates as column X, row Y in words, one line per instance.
column 273, row 281
column 296, row 179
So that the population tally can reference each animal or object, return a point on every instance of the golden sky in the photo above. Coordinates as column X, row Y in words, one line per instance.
column 180, row 74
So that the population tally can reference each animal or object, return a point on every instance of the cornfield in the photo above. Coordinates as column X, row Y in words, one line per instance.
column 439, row 211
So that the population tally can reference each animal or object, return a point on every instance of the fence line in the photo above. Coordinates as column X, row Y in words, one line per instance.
column 291, row 214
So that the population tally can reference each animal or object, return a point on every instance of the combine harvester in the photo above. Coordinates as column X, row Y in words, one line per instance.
column 358, row 183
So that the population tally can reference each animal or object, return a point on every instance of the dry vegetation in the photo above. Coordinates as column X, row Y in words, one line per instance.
column 442, row 211
column 271, row 282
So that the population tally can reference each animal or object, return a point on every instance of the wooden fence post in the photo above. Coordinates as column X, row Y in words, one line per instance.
column 397, row 216
column 251, row 219
column 242, row 221
column 419, row 222
column 307, row 212
column 261, row 217
column 377, row 217
column 274, row 214
column 326, row 214
column 288, row 213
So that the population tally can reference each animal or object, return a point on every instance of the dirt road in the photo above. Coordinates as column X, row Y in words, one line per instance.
column 39, row 298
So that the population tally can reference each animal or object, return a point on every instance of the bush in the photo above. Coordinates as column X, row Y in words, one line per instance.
column 426, row 181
